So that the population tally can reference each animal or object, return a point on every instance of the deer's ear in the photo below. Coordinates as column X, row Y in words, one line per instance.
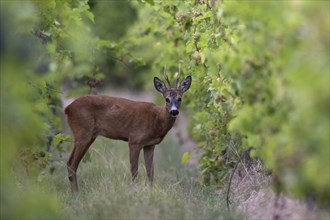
column 185, row 84
column 159, row 85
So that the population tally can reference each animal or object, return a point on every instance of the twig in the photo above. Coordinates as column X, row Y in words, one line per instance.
column 229, row 185
column 39, row 86
column 119, row 60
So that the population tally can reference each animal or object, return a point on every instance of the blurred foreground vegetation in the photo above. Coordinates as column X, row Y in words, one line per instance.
column 260, row 82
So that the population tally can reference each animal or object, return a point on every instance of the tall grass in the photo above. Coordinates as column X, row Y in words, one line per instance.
column 106, row 191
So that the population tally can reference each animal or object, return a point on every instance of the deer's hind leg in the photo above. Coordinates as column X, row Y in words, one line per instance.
column 80, row 148
column 83, row 138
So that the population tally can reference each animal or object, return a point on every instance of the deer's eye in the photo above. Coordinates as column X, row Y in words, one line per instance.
column 179, row 99
column 167, row 100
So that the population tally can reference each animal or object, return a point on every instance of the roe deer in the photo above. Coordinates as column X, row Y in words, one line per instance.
column 141, row 124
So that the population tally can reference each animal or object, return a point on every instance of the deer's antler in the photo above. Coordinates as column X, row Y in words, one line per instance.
column 166, row 77
column 178, row 78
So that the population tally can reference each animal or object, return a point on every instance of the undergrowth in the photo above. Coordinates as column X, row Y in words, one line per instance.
column 106, row 191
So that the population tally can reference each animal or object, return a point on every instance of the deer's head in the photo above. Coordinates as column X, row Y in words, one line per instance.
column 172, row 95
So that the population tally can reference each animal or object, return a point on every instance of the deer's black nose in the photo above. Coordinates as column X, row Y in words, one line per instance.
column 174, row 112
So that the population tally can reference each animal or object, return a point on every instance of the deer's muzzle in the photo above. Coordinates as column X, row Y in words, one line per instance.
column 174, row 111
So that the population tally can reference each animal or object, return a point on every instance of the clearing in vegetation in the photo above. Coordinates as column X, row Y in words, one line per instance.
column 106, row 190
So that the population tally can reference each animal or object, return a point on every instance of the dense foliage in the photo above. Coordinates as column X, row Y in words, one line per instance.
column 256, row 83
column 48, row 51
column 260, row 79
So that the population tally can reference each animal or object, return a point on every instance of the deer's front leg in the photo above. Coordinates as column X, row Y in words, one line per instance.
column 134, row 153
column 148, row 159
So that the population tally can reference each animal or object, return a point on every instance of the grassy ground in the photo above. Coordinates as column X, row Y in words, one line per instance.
column 106, row 191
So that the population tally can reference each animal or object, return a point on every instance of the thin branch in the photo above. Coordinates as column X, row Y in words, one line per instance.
column 48, row 88
column 229, row 185
column 119, row 60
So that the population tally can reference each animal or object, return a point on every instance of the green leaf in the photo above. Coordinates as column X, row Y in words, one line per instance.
column 99, row 76
column 151, row 2
column 104, row 43
column 185, row 157
column 206, row 15
column 60, row 138
column 87, row 157
column 89, row 15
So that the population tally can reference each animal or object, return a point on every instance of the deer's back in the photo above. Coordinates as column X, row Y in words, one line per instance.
column 111, row 117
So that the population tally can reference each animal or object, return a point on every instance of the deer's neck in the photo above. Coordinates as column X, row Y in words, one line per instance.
column 166, row 121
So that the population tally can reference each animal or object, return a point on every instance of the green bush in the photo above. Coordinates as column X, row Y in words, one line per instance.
column 47, row 48
column 256, row 83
